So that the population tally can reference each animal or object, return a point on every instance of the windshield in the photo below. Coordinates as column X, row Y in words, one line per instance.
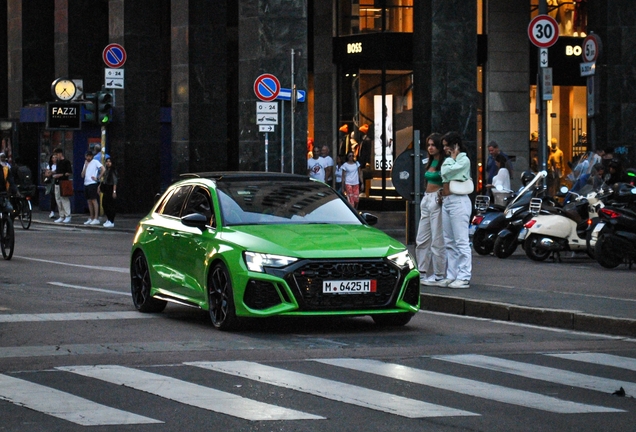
column 525, row 194
column 282, row 202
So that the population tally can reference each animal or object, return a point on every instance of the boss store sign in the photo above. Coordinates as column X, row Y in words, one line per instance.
column 63, row 115
column 372, row 48
column 564, row 57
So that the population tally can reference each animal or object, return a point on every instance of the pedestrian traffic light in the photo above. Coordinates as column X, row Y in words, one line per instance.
column 90, row 107
column 104, row 106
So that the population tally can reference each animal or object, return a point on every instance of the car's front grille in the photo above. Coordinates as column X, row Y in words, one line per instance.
column 260, row 295
column 306, row 282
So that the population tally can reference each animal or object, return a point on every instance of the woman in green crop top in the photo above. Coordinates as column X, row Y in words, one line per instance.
column 430, row 250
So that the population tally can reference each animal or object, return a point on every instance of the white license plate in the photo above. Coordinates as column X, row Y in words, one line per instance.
column 599, row 226
column 349, row 286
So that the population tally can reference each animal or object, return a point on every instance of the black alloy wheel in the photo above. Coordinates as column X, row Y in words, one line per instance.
column 605, row 255
column 505, row 246
column 221, row 299
column 140, row 286
column 480, row 244
column 533, row 251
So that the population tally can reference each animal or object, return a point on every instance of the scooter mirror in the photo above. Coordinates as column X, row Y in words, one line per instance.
column 499, row 187
column 633, row 191
column 564, row 189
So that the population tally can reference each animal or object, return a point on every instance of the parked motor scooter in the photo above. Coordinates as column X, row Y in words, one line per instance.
column 614, row 236
column 490, row 218
column 555, row 229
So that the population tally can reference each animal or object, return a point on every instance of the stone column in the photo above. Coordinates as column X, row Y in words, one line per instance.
column 134, row 135
column 268, row 31
column 445, row 68
column 199, row 87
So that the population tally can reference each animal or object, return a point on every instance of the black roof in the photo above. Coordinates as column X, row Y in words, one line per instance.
column 246, row 176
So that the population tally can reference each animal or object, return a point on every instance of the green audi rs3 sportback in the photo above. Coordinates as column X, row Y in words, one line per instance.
column 253, row 245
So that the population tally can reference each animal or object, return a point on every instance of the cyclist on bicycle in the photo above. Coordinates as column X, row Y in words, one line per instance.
column 7, row 185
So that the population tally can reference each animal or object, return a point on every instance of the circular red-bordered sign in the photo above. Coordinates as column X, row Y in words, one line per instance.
column 591, row 48
column 114, row 55
column 543, row 31
column 266, row 87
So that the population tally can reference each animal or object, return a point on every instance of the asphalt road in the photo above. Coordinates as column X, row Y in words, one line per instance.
column 75, row 355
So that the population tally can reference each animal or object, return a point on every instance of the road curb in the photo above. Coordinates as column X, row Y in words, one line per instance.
column 557, row 318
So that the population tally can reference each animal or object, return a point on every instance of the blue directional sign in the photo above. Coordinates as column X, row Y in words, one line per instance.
column 285, row 94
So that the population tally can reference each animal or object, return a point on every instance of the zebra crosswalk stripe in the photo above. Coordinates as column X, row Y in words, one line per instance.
column 466, row 386
column 333, row 390
column 599, row 359
column 543, row 373
column 189, row 394
column 64, row 405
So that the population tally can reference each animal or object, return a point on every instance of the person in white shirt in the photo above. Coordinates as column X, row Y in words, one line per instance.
column 327, row 163
column 91, row 172
column 315, row 169
column 352, row 179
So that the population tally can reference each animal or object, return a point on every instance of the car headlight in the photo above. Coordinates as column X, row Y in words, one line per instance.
column 257, row 261
column 402, row 259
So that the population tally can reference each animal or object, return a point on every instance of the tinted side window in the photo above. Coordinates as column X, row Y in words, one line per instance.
column 199, row 202
column 175, row 202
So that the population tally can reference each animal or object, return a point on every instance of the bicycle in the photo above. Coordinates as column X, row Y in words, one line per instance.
column 7, row 233
column 22, row 210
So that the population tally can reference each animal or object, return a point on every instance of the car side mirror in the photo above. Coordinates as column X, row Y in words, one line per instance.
column 369, row 218
column 196, row 220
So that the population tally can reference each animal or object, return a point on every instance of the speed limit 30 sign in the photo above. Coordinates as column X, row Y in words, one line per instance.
column 543, row 31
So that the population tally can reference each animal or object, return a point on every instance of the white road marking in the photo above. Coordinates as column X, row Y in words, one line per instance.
column 64, row 285
column 91, row 267
column 189, row 394
column 543, row 373
column 466, row 386
column 599, row 359
column 72, row 316
column 64, row 405
column 333, row 390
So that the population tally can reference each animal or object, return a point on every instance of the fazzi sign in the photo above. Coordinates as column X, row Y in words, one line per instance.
column 63, row 115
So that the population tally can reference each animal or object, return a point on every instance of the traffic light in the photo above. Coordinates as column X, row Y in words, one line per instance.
column 90, row 107
column 104, row 106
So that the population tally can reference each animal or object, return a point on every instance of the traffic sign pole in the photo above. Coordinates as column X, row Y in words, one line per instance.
column 543, row 32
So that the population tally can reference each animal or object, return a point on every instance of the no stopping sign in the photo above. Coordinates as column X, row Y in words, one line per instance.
column 543, row 31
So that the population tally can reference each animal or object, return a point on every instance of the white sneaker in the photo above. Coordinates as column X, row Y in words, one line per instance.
column 436, row 282
column 61, row 219
column 108, row 224
column 95, row 222
column 88, row 222
column 52, row 215
column 67, row 219
column 459, row 284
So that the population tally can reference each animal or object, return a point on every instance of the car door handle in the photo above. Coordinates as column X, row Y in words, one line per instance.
column 176, row 235
column 150, row 230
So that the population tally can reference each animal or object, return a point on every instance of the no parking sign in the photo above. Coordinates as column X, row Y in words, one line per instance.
column 266, row 87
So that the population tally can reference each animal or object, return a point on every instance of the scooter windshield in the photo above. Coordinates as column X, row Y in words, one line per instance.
column 525, row 193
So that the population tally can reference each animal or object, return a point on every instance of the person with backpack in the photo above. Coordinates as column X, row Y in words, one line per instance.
column 7, row 185
column 23, row 178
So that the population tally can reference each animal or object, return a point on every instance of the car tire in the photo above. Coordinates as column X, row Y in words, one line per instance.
column 140, row 286
column 221, row 299
column 392, row 320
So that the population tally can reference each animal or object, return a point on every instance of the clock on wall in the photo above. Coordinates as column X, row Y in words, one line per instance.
column 63, row 89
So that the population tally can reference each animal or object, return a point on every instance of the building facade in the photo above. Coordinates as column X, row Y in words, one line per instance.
column 361, row 67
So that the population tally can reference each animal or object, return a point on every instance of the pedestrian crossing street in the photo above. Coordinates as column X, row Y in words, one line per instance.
column 22, row 390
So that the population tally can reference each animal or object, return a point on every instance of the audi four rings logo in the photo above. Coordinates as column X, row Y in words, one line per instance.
column 348, row 269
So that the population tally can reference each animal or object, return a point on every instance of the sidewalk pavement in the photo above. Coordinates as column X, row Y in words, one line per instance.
column 613, row 313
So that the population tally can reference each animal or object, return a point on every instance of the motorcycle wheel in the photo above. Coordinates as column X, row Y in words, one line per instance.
column 480, row 244
column 533, row 251
column 505, row 246
column 604, row 254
